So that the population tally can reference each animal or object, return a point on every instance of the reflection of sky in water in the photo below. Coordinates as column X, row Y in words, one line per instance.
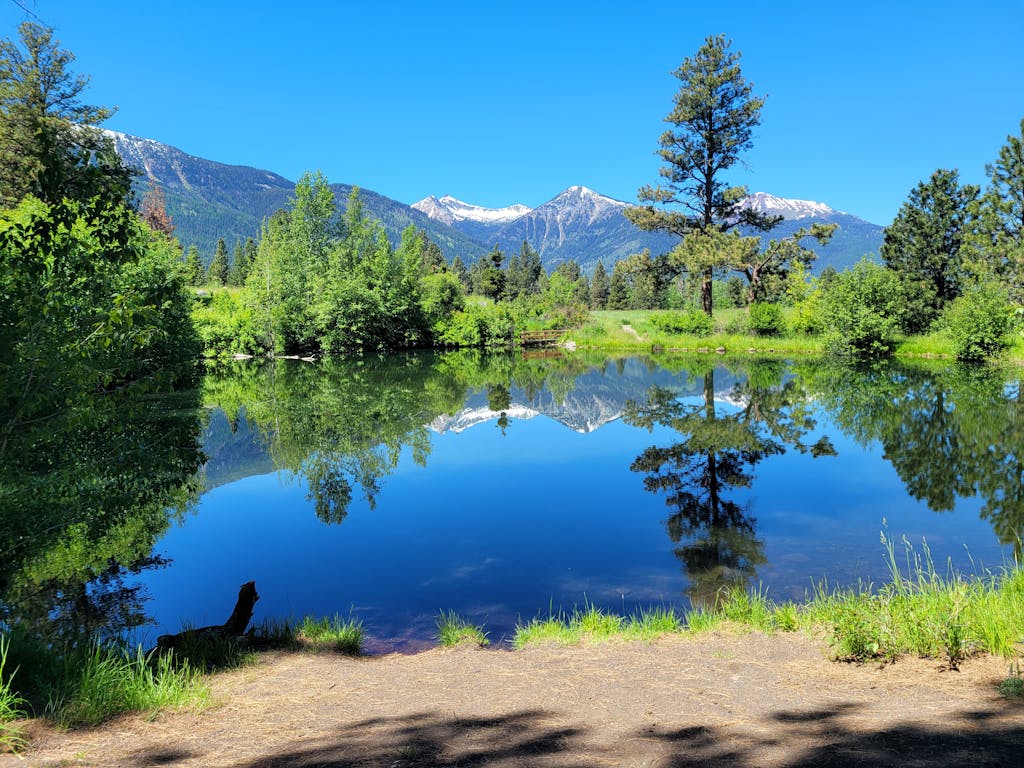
column 544, row 518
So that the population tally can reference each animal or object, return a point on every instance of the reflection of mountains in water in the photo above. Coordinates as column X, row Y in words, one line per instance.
column 597, row 397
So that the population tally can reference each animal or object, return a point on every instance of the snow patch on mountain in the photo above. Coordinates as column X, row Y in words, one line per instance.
column 449, row 210
column 787, row 208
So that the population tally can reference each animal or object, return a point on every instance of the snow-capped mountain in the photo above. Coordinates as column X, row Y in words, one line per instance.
column 449, row 210
column 787, row 208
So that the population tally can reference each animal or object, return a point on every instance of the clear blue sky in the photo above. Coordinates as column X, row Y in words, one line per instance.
column 514, row 102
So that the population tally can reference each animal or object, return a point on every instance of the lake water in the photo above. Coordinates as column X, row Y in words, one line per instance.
column 504, row 488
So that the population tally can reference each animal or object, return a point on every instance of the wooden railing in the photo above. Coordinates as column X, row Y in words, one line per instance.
column 531, row 338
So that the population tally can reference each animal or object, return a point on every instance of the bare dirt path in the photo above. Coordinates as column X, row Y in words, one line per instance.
column 711, row 701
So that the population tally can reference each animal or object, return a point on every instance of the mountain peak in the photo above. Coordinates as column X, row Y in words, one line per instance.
column 449, row 210
column 787, row 208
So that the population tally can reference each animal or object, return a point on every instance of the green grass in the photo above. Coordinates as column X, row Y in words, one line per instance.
column 1012, row 687
column 341, row 635
column 453, row 630
column 921, row 611
column 11, row 705
column 110, row 681
column 604, row 330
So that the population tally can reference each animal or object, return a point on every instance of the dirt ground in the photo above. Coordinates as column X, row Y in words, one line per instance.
column 710, row 701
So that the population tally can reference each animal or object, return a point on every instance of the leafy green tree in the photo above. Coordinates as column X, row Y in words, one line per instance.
column 49, row 145
column 599, row 287
column 195, row 272
column 217, row 273
column 924, row 243
column 978, row 321
column 863, row 311
column 712, row 121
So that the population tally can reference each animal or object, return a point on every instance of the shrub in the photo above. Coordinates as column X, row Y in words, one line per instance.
column 765, row 319
column 978, row 322
column 689, row 321
column 863, row 311
column 806, row 317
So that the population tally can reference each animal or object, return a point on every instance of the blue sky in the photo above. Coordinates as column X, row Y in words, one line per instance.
column 514, row 102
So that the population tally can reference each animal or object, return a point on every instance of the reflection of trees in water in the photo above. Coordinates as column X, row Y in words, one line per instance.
column 83, row 499
column 344, row 424
column 951, row 433
column 717, row 536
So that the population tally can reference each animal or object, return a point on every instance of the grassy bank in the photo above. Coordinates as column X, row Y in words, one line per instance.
column 920, row 611
column 634, row 330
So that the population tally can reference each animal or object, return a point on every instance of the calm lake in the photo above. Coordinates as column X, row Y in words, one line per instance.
column 505, row 487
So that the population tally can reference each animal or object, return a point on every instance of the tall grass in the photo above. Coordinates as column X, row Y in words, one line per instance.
column 111, row 681
column 592, row 624
column 11, row 705
column 453, row 630
column 342, row 635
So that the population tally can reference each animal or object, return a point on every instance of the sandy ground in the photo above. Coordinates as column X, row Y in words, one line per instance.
column 678, row 702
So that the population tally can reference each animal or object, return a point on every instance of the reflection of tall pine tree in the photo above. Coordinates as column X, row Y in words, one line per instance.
column 717, row 536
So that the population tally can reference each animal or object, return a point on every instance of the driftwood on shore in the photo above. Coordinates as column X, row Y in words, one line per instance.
column 234, row 627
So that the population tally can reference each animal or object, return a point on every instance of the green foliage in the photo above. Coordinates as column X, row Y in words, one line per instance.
column 1012, row 686
column 979, row 321
column 766, row 319
column 217, row 272
column 862, row 311
column 479, row 325
column 194, row 272
column 923, row 244
column 453, row 631
column 691, row 321
column 712, row 120
column 11, row 704
column 49, row 145
column 341, row 635
column 600, row 286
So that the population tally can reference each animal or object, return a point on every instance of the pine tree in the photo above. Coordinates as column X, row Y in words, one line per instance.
column 618, row 290
column 195, row 274
column 713, row 118
column 49, row 145
column 923, row 244
column 599, row 287
column 217, row 273
column 431, row 256
column 460, row 271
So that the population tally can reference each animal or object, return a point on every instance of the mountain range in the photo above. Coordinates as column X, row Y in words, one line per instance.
column 208, row 200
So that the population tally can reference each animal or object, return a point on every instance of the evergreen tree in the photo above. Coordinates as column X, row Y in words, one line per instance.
column 49, row 145
column 713, row 118
column 195, row 273
column 462, row 273
column 996, row 248
column 217, row 273
column 924, row 243
column 618, row 290
column 432, row 258
column 489, row 279
column 599, row 287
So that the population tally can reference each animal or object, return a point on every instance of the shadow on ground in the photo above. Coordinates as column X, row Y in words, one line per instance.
column 789, row 739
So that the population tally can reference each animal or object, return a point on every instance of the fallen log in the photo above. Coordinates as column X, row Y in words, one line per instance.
column 234, row 627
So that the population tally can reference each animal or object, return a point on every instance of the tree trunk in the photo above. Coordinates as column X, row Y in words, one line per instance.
column 234, row 627
column 706, row 299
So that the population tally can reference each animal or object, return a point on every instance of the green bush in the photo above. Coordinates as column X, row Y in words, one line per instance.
column 806, row 317
column 478, row 326
column 225, row 326
column 978, row 322
column 862, row 312
column 765, row 319
column 689, row 321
